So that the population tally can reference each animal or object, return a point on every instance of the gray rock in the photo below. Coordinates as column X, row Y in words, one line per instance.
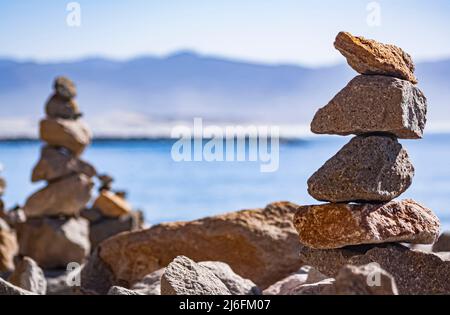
column 121, row 291
column 318, row 288
column 235, row 283
column 29, row 276
column 97, row 277
column 58, row 163
column 443, row 243
column 150, row 284
column 7, row 288
column 288, row 284
column 415, row 272
column 315, row 276
column 185, row 277
column 373, row 103
column 368, row 168
column 54, row 242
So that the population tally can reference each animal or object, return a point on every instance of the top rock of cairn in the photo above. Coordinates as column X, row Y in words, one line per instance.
column 62, row 104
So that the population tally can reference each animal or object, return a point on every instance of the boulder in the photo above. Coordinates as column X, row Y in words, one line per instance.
column 8, row 247
column 286, row 285
column 443, row 243
column 150, row 284
column 368, row 168
column 415, row 272
column 65, row 88
column 235, row 283
column 56, row 163
column 111, row 205
column 60, row 107
column 374, row 103
column 338, row 225
column 54, row 242
column 73, row 135
column 7, row 288
column 29, row 276
column 121, row 291
column 67, row 196
column 367, row 56
column 185, row 277
column 260, row 245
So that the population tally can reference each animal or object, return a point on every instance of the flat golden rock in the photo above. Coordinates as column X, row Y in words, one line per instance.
column 368, row 56
column 111, row 205
column 331, row 226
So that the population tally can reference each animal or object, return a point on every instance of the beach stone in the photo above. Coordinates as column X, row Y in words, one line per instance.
column 7, row 288
column 8, row 247
column 415, row 272
column 260, row 245
column 371, row 104
column 54, row 242
column 63, row 197
column 60, row 107
column 71, row 134
column 185, row 277
column 368, row 168
column 286, row 285
column 150, row 284
column 65, row 87
column 235, row 283
column 111, row 205
column 121, row 291
column 29, row 276
column 368, row 56
column 56, row 163
column 443, row 243
column 331, row 226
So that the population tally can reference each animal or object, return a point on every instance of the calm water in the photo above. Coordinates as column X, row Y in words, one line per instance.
column 167, row 190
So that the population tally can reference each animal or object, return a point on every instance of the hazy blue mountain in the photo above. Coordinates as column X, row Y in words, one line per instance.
column 144, row 92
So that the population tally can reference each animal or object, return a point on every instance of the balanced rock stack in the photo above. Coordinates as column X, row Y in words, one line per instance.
column 54, row 233
column 360, row 182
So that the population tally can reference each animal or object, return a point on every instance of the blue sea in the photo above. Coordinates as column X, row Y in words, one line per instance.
column 167, row 190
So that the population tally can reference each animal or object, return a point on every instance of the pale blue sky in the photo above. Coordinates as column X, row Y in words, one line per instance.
column 288, row 31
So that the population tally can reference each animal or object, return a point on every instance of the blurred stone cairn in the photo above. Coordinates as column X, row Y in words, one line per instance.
column 361, row 222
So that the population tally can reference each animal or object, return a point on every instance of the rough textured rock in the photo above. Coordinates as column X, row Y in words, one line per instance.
column 107, row 227
column 318, row 288
column 54, row 243
column 8, row 247
column 415, row 272
column 368, row 168
column 71, row 134
column 150, row 284
column 63, row 197
column 29, row 276
column 60, row 107
column 331, row 226
column 367, row 56
column 371, row 104
column 7, row 288
column 260, row 245
column 121, row 291
column 111, row 205
column 185, row 277
column 285, row 286
column 443, row 243
column 235, row 283
column 65, row 88
column 58, row 163
column 315, row 276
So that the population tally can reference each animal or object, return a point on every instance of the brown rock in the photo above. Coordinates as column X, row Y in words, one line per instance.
column 65, row 88
column 260, row 245
column 415, row 272
column 111, row 205
column 368, row 168
column 374, row 104
column 54, row 243
column 367, row 56
column 331, row 226
column 57, row 163
column 71, row 134
column 443, row 243
column 60, row 107
column 64, row 197
column 29, row 276
column 8, row 247
column 2, row 186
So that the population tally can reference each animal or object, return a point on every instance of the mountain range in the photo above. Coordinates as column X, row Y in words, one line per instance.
column 147, row 96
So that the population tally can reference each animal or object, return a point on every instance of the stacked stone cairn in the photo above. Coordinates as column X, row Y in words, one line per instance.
column 359, row 183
